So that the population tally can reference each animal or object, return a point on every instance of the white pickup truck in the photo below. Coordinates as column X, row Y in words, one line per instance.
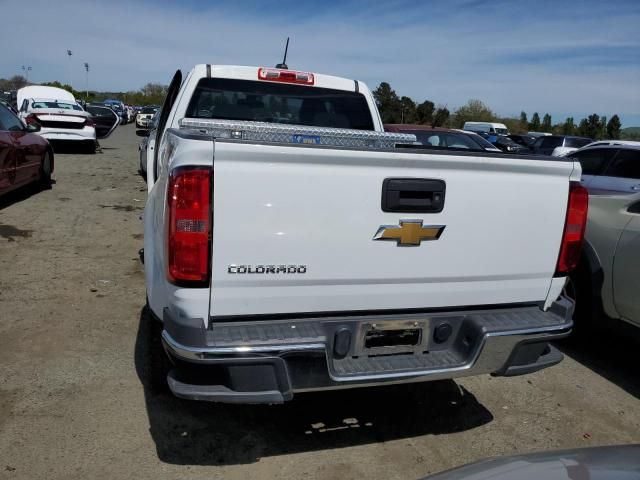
column 291, row 245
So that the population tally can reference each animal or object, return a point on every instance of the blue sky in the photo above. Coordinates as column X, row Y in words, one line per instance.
column 565, row 58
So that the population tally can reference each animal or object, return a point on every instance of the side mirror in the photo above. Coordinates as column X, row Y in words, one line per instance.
column 34, row 127
column 142, row 133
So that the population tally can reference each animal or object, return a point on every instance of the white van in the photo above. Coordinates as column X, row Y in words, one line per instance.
column 488, row 127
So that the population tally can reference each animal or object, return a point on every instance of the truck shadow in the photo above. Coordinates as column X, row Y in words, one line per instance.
column 611, row 351
column 201, row 433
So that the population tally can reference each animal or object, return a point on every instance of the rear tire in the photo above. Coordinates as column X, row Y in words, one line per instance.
column 158, row 363
column 90, row 147
column 578, row 289
column 141, row 169
column 45, row 172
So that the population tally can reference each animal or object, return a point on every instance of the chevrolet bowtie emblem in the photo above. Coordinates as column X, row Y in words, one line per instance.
column 410, row 233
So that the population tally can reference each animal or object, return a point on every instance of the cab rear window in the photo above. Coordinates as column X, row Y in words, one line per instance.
column 57, row 105
column 260, row 101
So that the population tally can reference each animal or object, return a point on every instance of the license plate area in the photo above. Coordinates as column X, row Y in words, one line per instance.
column 392, row 338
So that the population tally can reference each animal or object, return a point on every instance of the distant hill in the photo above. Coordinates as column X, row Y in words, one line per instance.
column 630, row 133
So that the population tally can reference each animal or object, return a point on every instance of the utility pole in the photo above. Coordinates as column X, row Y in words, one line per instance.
column 86, row 67
column 69, row 53
column 26, row 71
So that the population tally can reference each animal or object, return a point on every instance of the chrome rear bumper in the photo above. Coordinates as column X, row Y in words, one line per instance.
column 286, row 356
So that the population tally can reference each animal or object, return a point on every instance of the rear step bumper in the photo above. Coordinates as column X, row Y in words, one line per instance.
column 262, row 361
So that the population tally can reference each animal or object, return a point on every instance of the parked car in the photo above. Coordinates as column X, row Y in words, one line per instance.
column 147, row 144
column 503, row 143
column 488, row 127
column 521, row 139
column 616, row 462
column 506, row 144
column 443, row 137
column 104, row 118
column 557, row 145
column 338, row 260
column 9, row 98
column 119, row 111
column 9, row 106
column 131, row 113
column 608, row 143
column 608, row 277
column 58, row 114
column 24, row 156
column 118, row 107
column 144, row 116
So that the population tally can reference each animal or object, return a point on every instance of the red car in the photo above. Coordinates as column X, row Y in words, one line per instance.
column 24, row 156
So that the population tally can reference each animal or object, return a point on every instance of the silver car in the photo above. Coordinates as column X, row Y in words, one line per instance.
column 608, row 278
column 147, row 144
column 619, row 462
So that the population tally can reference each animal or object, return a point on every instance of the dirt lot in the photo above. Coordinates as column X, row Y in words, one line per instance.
column 72, row 404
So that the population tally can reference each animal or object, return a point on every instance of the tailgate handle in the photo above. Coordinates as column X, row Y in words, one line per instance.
column 418, row 195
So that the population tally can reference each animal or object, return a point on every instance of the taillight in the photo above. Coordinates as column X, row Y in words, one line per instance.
column 89, row 122
column 285, row 76
column 188, row 242
column 31, row 119
column 575, row 223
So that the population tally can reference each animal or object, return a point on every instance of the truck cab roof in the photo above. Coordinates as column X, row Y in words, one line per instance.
column 241, row 72
column 273, row 95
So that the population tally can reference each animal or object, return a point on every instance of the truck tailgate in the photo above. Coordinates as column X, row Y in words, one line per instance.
column 294, row 228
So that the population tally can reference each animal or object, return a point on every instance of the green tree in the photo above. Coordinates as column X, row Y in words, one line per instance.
column 524, row 122
column 156, row 90
column 613, row 128
column 512, row 124
column 535, row 122
column 473, row 111
column 593, row 126
column 388, row 103
column 546, row 123
column 407, row 110
column 15, row 83
column 602, row 133
column 630, row 133
column 441, row 116
column 568, row 127
column 583, row 128
column 424, row 112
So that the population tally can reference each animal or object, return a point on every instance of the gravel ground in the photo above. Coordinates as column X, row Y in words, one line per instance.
column 72, row 404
